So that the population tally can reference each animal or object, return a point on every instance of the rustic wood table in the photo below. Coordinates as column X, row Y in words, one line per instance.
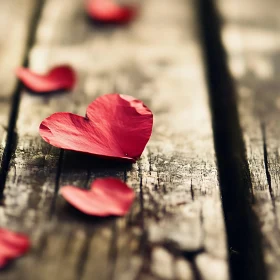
column 207, row 184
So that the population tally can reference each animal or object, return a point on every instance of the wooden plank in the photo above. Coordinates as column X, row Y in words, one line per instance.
column 177, row 216
column 16, row 15
column 15, row 19
column 251, row 37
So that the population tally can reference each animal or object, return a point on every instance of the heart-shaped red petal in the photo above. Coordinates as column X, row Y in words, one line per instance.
column 107, row 197
column 12, row 245
column 58, row 78
column 116, row 126
column 109, row 12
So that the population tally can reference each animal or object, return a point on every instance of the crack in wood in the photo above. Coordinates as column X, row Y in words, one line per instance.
column 267, row 172
column 113, row 251
column 141, row 197
column 57, row 181
column 268, row 176
column 83, row 256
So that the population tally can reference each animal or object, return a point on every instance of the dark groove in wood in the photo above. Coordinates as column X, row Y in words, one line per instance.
column 192, row 190
column 83, row 257
column 141, row 197
column 195, row 270
column 190, row 256
column 242, row 225
column 268, row 176
column 57, row 181
column 113, row 252
column 41, row 247
column 15, row 102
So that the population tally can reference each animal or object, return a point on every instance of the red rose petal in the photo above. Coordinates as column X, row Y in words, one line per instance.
column 12, row 245
column 59, row 78
column 106, row 197
column 109, row 12
column 116, row 126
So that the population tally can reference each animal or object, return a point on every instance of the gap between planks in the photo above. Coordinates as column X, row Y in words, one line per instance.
column 251, row 38
column 243, row 226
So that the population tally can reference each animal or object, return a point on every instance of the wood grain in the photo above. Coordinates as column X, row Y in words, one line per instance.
column 15, row 26
column 251, row 37
column 177, row 216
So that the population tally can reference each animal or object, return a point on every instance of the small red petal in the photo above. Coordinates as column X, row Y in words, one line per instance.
column 12, row 245
column 116, row 126
column 58, row 78
column 106, row 197
column 109, row 12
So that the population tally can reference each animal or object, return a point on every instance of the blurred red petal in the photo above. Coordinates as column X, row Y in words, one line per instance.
column 12, row 245
column 116, row 126
column 106, row 197
column 58, row 78
column 109, row 12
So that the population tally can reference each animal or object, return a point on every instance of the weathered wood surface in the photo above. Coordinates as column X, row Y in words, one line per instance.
column 175, row 228
column 15, row 24
column 251, row 37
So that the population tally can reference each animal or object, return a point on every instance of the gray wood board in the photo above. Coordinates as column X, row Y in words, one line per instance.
column 176, row 225
column 15, row 26
column 251, row 38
